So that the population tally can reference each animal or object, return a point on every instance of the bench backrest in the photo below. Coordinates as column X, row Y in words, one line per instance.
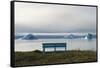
column 52, row 45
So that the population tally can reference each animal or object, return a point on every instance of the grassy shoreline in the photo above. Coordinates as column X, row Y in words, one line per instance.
column 38, row 58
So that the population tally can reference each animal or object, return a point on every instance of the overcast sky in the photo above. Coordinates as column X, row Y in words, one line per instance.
column 50, row 18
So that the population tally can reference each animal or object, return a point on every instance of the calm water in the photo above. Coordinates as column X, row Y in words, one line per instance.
column 72, row 44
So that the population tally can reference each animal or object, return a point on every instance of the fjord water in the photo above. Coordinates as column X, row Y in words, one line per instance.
column 72, row 44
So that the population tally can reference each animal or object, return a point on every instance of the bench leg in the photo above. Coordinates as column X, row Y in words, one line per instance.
column 43, row 50
column 55, row 49
column 65, row 48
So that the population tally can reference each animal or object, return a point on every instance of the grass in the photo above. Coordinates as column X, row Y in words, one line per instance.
column 38, row 58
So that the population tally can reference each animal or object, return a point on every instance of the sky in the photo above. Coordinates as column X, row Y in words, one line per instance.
column 52, row 18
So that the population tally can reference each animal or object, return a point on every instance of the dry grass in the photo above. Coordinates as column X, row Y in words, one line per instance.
column 38, row 58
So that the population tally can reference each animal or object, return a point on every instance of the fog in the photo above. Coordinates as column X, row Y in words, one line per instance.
column 50, row 18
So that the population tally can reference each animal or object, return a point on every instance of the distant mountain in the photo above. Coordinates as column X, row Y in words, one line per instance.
column 87, row 36
column 29, row 37
column 70, row 36
column 90, row 36
column 19, row 36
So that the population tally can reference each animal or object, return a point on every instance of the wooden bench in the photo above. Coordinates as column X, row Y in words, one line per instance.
column 53, row 45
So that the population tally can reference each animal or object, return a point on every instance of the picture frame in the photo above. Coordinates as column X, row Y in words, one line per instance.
column 15, row 63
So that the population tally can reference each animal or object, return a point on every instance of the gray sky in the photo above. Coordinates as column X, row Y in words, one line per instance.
column 50, row 18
